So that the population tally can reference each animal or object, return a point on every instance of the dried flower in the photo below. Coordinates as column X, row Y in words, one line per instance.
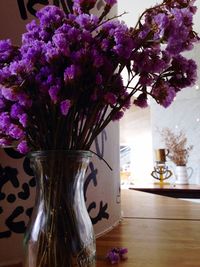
column 178, row 153
column 64, row 85
column 116, row 254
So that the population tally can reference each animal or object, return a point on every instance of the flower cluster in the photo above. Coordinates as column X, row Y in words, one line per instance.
column 64, row 84
column 116, row 254
column 176, row 145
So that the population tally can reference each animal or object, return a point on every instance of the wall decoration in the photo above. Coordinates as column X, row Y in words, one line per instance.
column 11, row 175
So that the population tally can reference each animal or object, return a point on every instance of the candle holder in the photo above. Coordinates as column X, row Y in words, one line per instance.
column 161, row 171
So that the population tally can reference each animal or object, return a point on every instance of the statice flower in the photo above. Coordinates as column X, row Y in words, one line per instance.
column 23, row 147
column 7, row 51
column 51, row 17
column 141, row 101
column 164, row 93
column 110, row 2
column 65, row 80
column 65, row 106
column 115, row 255
column 81, row 6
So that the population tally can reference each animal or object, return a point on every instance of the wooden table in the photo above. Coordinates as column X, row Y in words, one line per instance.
column 158, row 232
column 176, row 191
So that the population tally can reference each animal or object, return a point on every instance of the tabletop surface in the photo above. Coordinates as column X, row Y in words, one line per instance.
column 145, row 205
column 158, row 232
column 172, row 190
column 167, row 186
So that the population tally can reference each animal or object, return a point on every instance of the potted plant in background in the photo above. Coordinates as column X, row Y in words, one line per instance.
column 64, row 85
column 178, row 153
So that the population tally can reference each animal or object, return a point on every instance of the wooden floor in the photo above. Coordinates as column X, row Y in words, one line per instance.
column 158, row 232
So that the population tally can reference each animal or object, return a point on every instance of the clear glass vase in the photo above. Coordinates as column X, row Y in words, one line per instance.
column 60, row 232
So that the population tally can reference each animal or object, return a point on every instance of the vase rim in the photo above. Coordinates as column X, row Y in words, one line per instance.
column 57, row 151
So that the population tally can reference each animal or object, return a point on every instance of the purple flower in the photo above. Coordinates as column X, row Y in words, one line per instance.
column 23, row 147
column 99, row 79
column 98, row 59
column 50, row 16
column 24, row 100
column 4, row 121
column 110, row 98
column 53, row 92
column 81, row 6
column 16, row 111
column 141, row 101
column 15, row 132
column 110, row 2
column 70, row 73
column 65, row 106
column 87, row 21
column 118, row 115
column 184, row 72
column 4, row 142
column 8, row 93
column 5, row 45
column 23, row 119
column 163, row 93
column 113, row 257
column 117, row 254
column 7, row 51
column 61, row 42
column 2, row 104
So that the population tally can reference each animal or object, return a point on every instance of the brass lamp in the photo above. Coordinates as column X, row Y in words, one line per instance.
column 161, row 171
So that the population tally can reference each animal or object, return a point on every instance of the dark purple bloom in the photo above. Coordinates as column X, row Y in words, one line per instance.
column 51, row 16
column 81, row 6
column 4, row 121
column 24, row 100
column 118, row 115
column 53, row 92
column 113, row 257
column 71, row 73
column 23, row 119
column 16, row 111
column 8, row 93
column 110, row 2
column 110, row 98
column 99, row 79
column 15, row 131
column 61, row 42
column 2, row 104
column 117, row 254
column 65, row 106
column 184, row 72
column 23, row 147
column 87, row 21
column 4, row 142
column 163, row 93
column 141, row 101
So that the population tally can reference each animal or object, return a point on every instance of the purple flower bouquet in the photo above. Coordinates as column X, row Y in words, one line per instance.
column 64, row 84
